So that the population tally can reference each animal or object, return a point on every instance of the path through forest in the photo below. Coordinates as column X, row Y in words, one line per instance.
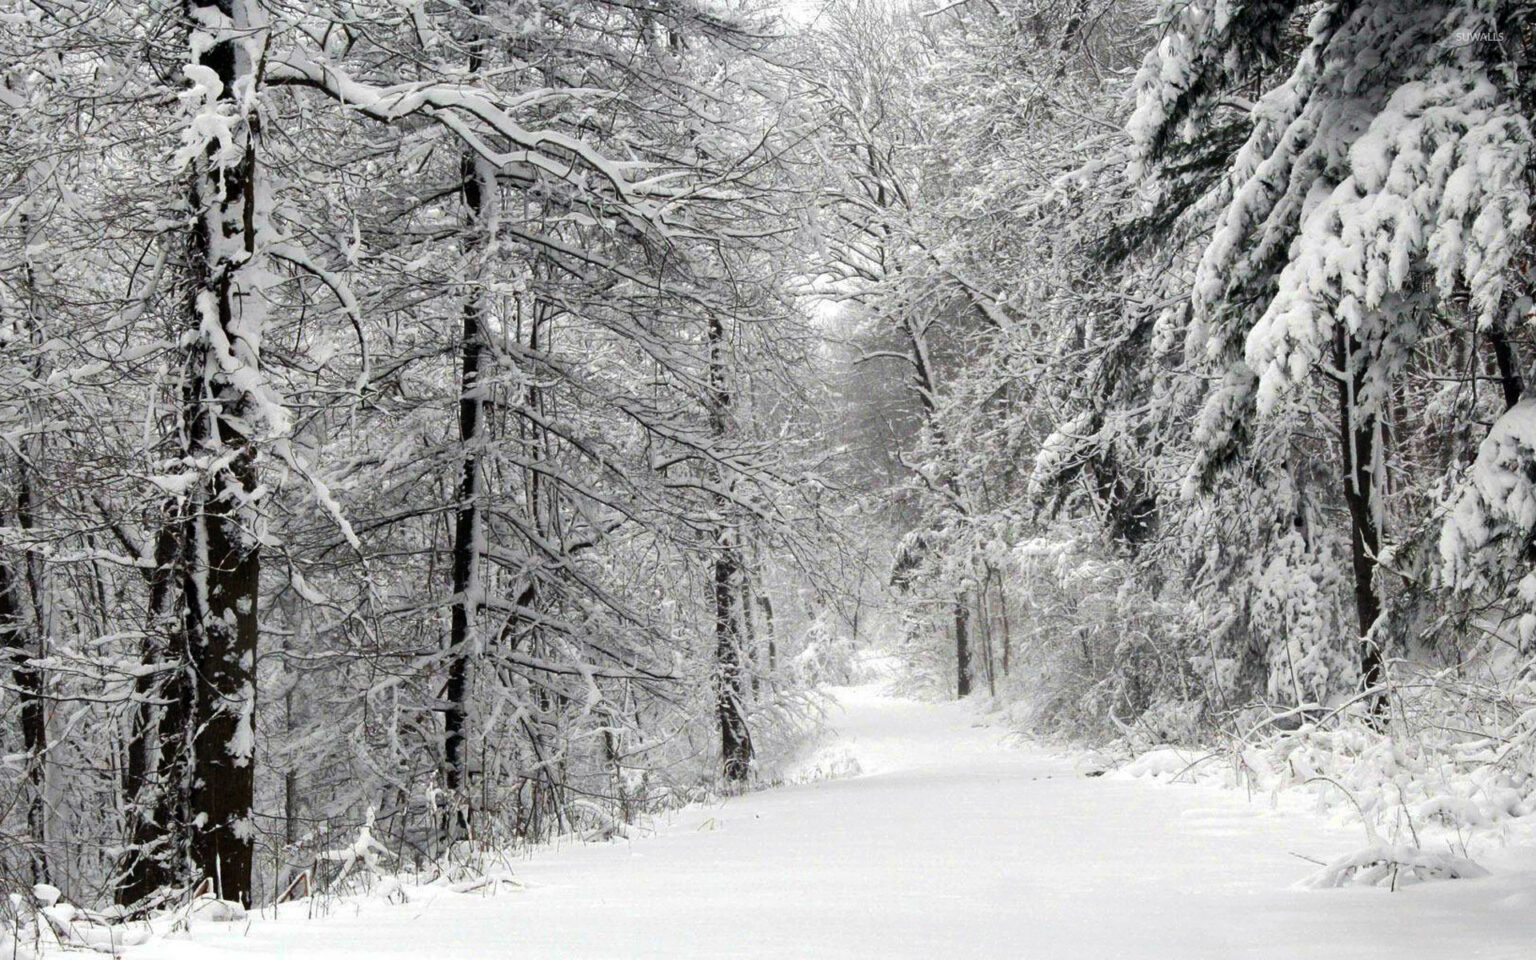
column 950, row 844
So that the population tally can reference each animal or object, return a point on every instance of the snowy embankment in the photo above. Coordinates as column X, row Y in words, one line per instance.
column 947, row 842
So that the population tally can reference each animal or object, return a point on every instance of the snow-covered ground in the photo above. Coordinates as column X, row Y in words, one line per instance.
column 949, row 843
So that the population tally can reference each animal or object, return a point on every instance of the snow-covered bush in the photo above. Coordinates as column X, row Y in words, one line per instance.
column 1392, row 865
column 1455, row 767
column 1098, row 654
column 827, row 654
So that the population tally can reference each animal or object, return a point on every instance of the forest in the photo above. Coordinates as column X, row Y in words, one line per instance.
column 478, row 423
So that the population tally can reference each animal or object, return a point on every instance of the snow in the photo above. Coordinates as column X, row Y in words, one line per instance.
column 445, row 103
column 1496, row 501
column 1396, row 865
column 955, row 840
column 365, row 849
column 1367, row 174
column 243, row 746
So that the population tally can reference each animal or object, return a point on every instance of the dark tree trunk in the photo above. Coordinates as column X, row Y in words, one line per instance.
column 748, row 628
column 988, row 655
column 1509, row 366
column 963, row 647
column 765, row 604
column 291, row 799
column 23, row 624
column 29, row 693
column 465, row 559
column 1357, row 438
column 174, row 766
column 222, row 570
column 476, row 186
column 146, row 868
column 222, row 629
column 467, row 522
column 768, row 655
column 735, row 739
column 221, row 587
column 1002, row 606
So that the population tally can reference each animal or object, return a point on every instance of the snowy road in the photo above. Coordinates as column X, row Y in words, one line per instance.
column 949, row 845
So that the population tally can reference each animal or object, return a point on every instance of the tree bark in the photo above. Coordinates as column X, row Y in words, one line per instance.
column 478, row 185
column 749, row 627
column 221, row 628
column 962, row 648
column 19, row 650
column 1504, row 355
column 988, row 657
column 221, row 416
column 1358, row 438
column 765, row 604
column 146, row 869
column 467, row 519
column 1002, row 605
column 465, row 560
column 768, row 655
column 25, row 623
column 735, row 738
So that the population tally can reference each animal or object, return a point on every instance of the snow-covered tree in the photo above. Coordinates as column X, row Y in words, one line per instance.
column 1383, row 183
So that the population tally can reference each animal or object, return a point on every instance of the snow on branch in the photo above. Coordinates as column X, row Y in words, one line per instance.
column 448, row 104
column 365, row 849
column 1496, row 504
column 343, row 292
column 1357, row 199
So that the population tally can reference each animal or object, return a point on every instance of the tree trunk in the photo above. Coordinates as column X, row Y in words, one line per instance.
column 988, row 658
column 765, row 604
column 299, row 617
column 222, row 628
column 26, row 632
column 1002, row 605
column 769, row 654
column 1504, row 355
column 465, row 556
column 477, row 190
column 467, row 519
column 174, row 767
column 735, row 739
column 29, row 689
column 749, row 628
column 963, row 647
column 146, row 868
column 1358, row 437
column 222, row 411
